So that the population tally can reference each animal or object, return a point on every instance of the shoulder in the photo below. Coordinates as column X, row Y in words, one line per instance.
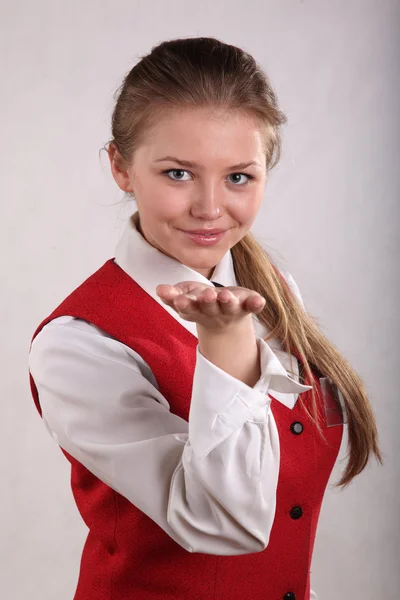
column 66, row 329
column 70, row 341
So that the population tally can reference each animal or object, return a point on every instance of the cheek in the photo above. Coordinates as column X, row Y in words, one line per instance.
column 161, row 202
column 170, row 206
column 245, row 207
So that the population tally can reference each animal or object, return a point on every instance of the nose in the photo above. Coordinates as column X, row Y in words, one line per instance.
column 207, row 206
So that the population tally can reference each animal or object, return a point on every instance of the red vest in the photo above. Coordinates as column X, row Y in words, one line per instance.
column 127, row 556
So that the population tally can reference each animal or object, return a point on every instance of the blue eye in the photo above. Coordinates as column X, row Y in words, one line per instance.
column 168, row 171
column 249, row 177
column 174, row 171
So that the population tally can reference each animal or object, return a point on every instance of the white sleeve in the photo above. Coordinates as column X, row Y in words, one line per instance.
column 210, row 483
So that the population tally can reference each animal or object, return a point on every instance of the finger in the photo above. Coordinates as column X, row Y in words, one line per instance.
column 207, row 302
column 254, row 303
column 244, row 301
column 184, row 303
column 188, row 287
column 229, row 303
column 168, row 292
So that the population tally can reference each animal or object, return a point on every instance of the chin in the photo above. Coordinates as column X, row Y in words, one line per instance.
column 195, row 262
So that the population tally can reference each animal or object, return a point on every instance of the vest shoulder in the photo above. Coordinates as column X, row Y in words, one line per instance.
column 99, row 290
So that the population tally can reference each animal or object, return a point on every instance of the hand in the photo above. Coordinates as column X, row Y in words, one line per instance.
column 208, row 306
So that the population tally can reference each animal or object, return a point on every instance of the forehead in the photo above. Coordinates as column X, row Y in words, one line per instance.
column 202, row 135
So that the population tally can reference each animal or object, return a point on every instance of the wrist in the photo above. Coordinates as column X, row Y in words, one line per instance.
column 236, row 350
column 234, row 330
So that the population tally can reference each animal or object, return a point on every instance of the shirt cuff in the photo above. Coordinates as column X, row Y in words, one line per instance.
column 221, row 404
column 274, row 376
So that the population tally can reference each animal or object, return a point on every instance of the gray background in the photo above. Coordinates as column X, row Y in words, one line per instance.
column 330, row 217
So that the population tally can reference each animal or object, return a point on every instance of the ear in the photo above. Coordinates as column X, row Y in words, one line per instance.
column 120, row 174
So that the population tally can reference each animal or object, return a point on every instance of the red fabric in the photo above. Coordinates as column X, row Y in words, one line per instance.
column 127, row 556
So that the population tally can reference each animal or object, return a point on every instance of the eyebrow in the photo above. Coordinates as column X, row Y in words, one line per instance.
column 187, row 163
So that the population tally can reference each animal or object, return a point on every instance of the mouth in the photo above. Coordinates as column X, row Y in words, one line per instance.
column 205, row 239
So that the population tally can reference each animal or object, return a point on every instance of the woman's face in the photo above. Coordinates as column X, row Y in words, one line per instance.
column 209, row 193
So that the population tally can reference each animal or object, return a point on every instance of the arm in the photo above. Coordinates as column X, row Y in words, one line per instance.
column 101, row 404
column 234, row 351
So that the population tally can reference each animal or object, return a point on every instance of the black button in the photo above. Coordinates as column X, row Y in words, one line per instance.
column 296, row 512
column 296, row 428
column 289, row 596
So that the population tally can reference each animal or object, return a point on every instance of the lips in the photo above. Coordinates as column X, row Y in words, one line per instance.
column 210, row 239
column 205, row 234
column 204, row 231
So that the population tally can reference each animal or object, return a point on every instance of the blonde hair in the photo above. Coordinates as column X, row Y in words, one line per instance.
column 205, row 72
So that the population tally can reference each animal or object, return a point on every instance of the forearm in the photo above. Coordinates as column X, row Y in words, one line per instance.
column 235, row 351
column 186, row 487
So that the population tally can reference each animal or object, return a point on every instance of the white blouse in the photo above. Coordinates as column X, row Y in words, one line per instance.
column 100, row 402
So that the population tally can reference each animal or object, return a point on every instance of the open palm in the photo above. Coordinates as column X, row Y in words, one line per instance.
column 209, row 306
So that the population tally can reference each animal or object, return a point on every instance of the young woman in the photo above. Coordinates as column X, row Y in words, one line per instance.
column 199, row 405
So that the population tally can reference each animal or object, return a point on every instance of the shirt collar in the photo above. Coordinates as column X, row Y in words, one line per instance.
column 149, row 267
